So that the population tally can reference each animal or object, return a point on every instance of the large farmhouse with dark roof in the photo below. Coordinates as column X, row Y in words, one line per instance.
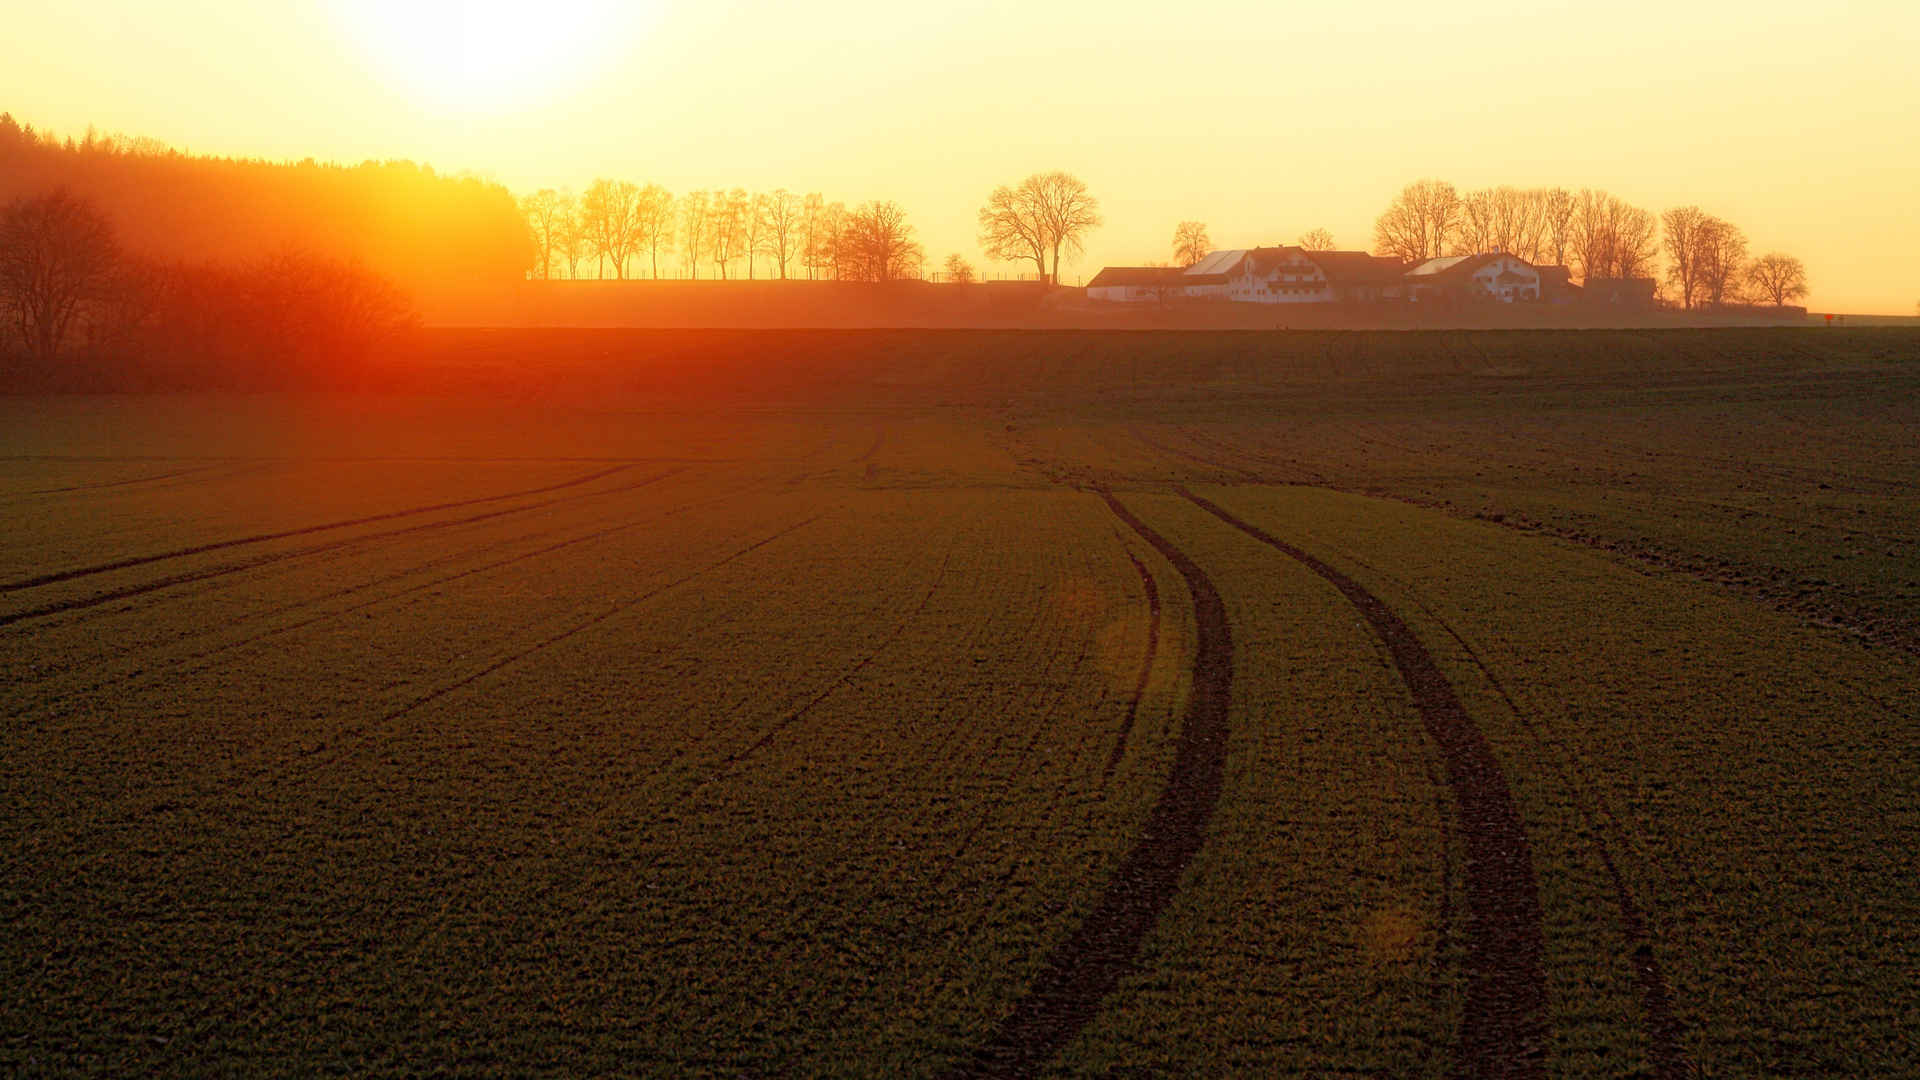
column 1295, row 275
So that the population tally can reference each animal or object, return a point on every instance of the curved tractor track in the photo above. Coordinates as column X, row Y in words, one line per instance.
column 1082, row 970
column 1503, row 1031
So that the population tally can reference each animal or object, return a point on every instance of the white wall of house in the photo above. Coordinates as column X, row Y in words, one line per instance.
column 1508, row 279
column 1123, row 294
column 1295, row 280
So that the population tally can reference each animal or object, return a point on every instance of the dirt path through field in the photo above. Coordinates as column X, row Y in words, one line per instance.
column 1503, row 1031
column 1084, row 969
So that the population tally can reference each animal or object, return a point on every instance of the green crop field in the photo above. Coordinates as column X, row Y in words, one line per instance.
column 930, row 703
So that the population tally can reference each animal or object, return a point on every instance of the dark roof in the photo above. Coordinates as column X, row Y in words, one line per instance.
column 1357, row 267
column 1266, row 258
column 1122, row 276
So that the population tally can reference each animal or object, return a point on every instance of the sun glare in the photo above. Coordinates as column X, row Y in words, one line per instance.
column 488, row 54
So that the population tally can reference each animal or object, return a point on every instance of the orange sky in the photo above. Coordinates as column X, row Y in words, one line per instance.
column 1796, row 121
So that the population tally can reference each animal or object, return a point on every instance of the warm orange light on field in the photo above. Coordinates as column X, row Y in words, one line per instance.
column 483, row 54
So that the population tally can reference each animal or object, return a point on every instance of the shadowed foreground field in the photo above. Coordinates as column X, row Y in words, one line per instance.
column 916, row 703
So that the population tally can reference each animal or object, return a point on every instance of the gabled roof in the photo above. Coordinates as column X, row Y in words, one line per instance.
column 1439, row 266
column 1357, row 267
column 1462, row 265
column 1218, row 262
column 1123, row 276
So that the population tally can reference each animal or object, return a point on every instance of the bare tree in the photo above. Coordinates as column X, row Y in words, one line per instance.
column 57, row 254
column 1012, row 227
column 1419, row 223
column 959, row 270
column 1636, row 240
column 1778, row 278
column 1556, row 215
column 696, row 207
column 1722, row 259
column 1474, row 232
column 546, row 214
column 784, row 211
column 1047, row 214
column 1190, row 243
column 610, row 211
column 1683, row 226
column 877, row 244
column 727, row 227
column 753, row 228
column 1517, row 220
column 813, row 237
column 1068, row 211
column 1612, row 238
column 570, row 235
column 1317, row 240
column 653, row 220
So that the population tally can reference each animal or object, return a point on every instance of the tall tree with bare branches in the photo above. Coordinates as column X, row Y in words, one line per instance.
column 1556, row 210
column 546, row 214
column 1777, row 277
column 1316, row 240
column 696, row 207
column 1190, row 243
column 1683, row 227
column 57, row 254
column 1068, row 211
column 654, row 218
column 1012, row 227
column 1419, row 223
column 877, row 244
column 610, row 210
column 784, row 210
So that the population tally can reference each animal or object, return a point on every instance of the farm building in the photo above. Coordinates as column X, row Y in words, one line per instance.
column 1136, row 284
column 1634, row 292
column 1490, row 276
column 1209, row 279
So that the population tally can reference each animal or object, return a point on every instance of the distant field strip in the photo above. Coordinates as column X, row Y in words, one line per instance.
column 260, row 538
column 1503, row 1032
column 1084, row 969
column 192, row 577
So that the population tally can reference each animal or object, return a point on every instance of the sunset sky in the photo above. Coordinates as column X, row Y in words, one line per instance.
column 1799, row 122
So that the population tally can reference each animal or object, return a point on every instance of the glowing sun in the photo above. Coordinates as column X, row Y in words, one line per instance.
column 488, row 53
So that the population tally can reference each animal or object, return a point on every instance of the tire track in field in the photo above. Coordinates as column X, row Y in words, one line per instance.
column 120, row 483
column 1146, row 669
column 261, row 538
column 1083, row 969
column 81, row 603
column 1503, row 1032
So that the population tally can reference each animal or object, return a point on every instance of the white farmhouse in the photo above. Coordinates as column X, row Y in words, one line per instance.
column 1136, row 285
column 1490, row 276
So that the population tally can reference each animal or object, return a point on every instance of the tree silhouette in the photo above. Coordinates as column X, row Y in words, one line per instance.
column 1779, row 278
column 1190, row 243
column 1046, row 214
column 1420, row 223
column 57, row 254
column 1317, row 240
column 959, row 270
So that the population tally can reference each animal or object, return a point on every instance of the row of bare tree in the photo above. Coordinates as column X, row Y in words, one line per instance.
column 629, row 227
column 1597, row 234
column 67, row 284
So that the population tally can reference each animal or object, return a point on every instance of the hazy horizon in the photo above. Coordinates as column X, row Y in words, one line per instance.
column 1781, row 119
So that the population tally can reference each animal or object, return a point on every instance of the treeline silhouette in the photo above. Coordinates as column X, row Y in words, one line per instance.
column 622, row 229
column 403, row 221
column 1596, row 235
column 81, row 310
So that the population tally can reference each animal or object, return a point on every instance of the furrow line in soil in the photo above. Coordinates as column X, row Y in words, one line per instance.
column 359, row 732
column 1084, row 969
column 119, row 483
column 84, row 602
column 261, row 538
column 1503, row 1032
column 1188, row 455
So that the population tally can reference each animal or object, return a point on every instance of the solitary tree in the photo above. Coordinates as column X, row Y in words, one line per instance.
column 1190, row 243
column 1317, row 240
column 1779, row 278
column 1419, row 223
column 57, row 254
column 959, row 270
column 1047, row 214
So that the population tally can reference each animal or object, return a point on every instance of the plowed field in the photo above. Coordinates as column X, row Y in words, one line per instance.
column 995, row 704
